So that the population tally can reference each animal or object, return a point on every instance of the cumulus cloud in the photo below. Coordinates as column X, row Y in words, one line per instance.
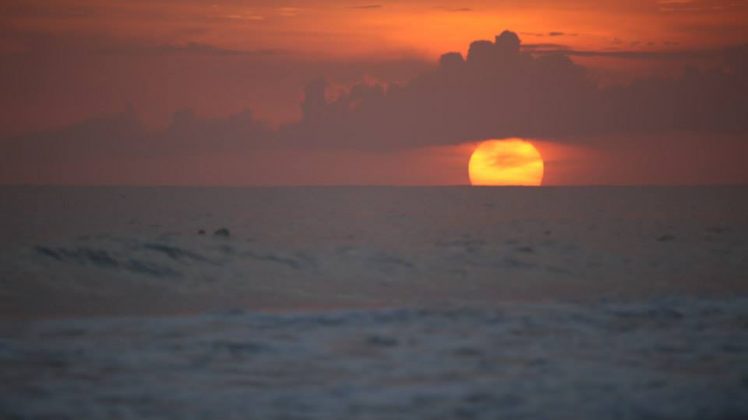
column 499, row 90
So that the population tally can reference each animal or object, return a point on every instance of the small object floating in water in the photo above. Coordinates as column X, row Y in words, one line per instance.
column 666, row 238
column 222, row 232
column 201, row 232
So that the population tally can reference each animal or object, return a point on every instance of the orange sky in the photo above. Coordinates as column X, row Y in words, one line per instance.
column 67, row 61
column 344, row 28
column 318, row 30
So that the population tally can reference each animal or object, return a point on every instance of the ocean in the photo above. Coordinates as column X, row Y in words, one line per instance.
column 374, row 302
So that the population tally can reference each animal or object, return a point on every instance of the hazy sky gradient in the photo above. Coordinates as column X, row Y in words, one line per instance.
column 95, row 91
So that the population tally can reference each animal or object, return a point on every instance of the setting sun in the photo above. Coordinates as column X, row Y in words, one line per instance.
column 506, row 162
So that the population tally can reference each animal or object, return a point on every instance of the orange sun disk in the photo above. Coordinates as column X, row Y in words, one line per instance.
column 506, row 162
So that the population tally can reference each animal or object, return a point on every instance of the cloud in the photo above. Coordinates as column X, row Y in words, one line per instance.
column 123, row 136
column 57, row 81
column 499, row 90
column 698, row 6
column 676, row 55
column 190, row 49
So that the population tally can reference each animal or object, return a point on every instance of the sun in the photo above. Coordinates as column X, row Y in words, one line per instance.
column 506, row 162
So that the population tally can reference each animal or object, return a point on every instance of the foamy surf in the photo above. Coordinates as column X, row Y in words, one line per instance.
column 669, row 358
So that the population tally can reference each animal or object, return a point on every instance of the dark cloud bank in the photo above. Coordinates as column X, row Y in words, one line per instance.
column 498, row 90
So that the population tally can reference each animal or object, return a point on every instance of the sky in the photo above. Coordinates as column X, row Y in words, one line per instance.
column 320, row 92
